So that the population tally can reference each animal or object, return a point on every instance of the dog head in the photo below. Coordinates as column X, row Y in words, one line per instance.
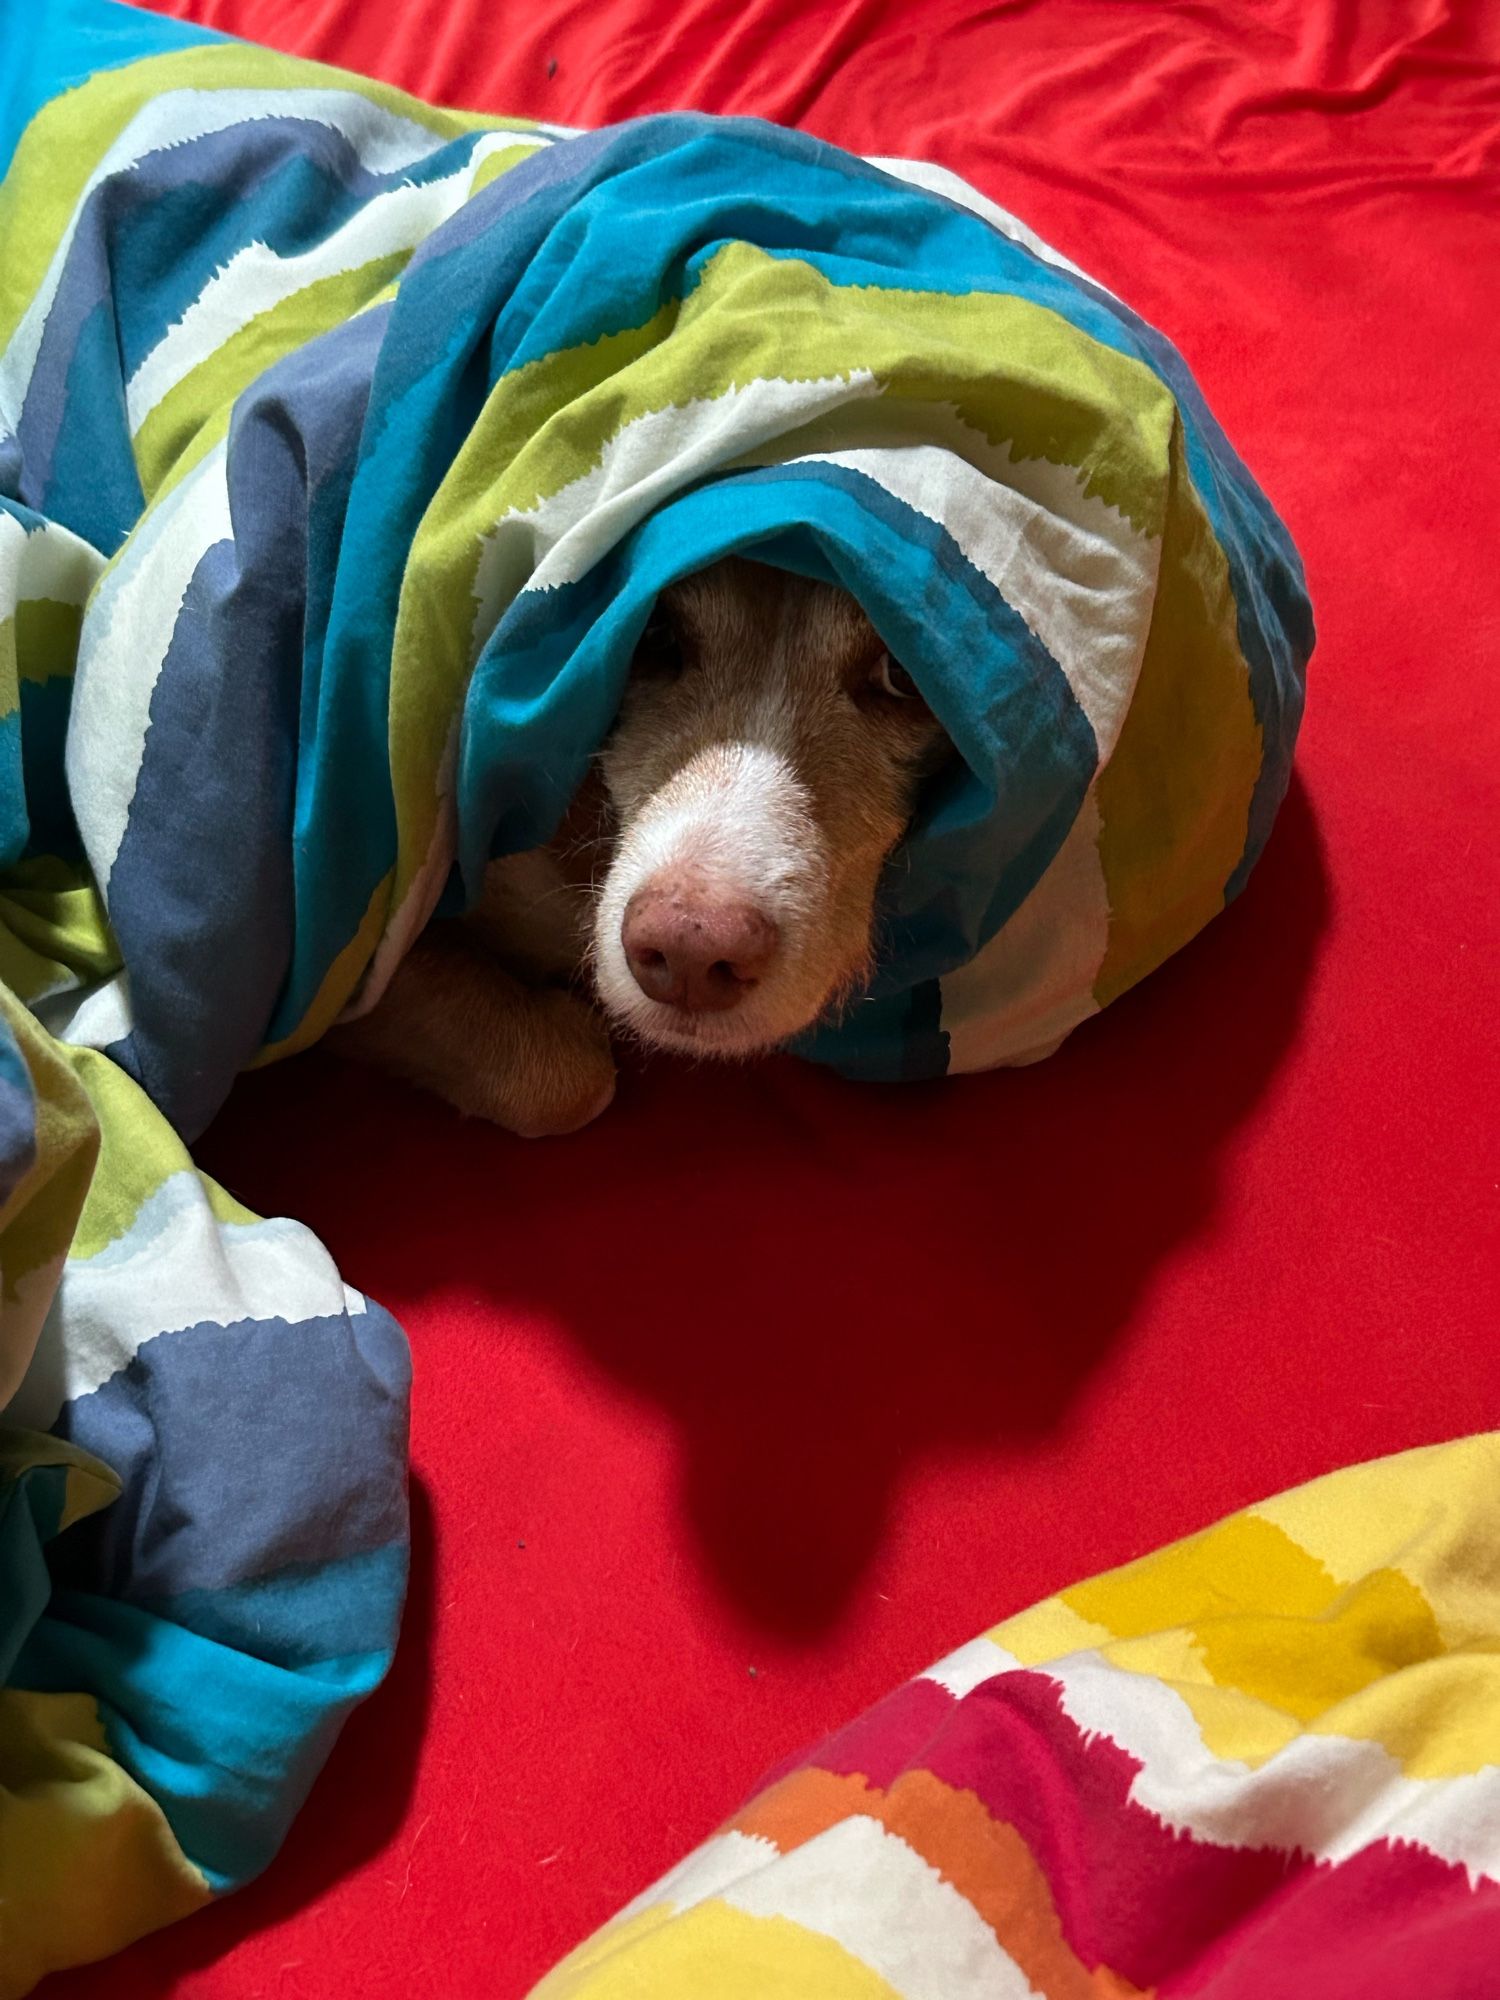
column 765, row 764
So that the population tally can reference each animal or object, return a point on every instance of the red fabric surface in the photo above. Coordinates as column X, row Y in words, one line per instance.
column 749, row 1402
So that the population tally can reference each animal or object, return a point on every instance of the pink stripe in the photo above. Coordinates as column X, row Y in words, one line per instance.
column 1393, row 1921
column 1167, row 1909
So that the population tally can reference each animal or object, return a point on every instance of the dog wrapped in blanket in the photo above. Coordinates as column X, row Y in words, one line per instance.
column 383, row 466
column 415, row 523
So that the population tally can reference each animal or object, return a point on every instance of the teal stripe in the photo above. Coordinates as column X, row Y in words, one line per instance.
column 15, row 825
column 31, row 1509
column 301, row 1616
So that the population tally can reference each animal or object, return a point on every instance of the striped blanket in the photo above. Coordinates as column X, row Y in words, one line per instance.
column 345, row 445
column 1262, row 1764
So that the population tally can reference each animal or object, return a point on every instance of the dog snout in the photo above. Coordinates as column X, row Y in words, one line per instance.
column 689, row 945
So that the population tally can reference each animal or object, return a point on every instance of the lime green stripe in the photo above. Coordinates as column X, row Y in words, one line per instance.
column 1062, row 397
column 87, row 1483
column 66, row 141
column 38, row 642
column 431, row 649
column 139, row 1152
column 224, row 374
column 46, row 638
column 381, row 298
column 493, row 165
column 340, row 980
column 1174, row 800
column 88, row 1111
column 53, row 930
column 311, row 310
column 213, row 431
column 87, row 1857
column 38, row 1221
column 50, row 899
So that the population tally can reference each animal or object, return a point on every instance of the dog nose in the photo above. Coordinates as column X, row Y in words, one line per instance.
column 691, row 948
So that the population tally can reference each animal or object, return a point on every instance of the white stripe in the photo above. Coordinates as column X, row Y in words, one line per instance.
column 709, row 1870
column 1074, row 570
column 970, row 1667
column 1327, row 1796
column 1024, row 992
column 256, row 278
column 176, row 1266
column 423, row 891
column 939, row 180
column 382, row 141
column 124, row 643
column 888, row 1908
column 91, row 1019
column 48, row 562
column 650, row 458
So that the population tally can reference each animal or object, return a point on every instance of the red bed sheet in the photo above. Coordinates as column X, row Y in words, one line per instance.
column 747, row 1403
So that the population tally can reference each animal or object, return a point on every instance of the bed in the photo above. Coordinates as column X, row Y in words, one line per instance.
column 929, row 1353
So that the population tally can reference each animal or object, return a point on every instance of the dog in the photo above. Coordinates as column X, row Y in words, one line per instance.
column 712, row 888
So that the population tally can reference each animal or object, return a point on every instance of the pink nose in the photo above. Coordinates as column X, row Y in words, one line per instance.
column 692, row 947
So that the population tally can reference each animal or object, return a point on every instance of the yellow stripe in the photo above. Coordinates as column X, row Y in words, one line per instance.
column 712, row 1952
column 1433, row 1513
column 1365, row 1606
column 1048, row 1631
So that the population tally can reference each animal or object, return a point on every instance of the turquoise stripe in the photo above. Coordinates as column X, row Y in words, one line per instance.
column 15, row 824
column 52, row 47
column 227, row 1744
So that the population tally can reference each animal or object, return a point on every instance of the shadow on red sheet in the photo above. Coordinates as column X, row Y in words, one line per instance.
column 837, row 1280
column 818, row 1282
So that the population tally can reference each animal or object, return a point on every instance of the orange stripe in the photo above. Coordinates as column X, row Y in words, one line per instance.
column 985, row 1859
column 806, row 1804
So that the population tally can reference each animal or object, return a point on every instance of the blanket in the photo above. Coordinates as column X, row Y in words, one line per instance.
column 345, row 445
column 1260, row 1762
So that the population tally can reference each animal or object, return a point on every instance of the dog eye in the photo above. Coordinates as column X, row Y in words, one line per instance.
column 893, row 680
column 659, row 649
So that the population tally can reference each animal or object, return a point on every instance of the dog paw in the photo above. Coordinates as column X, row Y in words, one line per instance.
column 567, row 1077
